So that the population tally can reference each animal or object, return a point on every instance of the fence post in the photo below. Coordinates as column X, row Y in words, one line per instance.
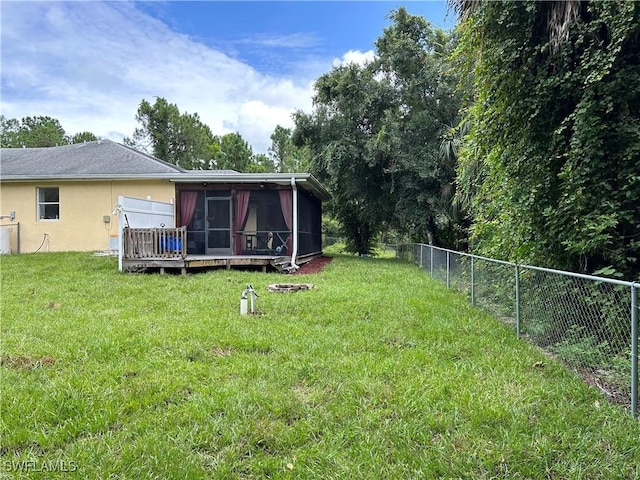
column 421, row 266
column 448, row 274
column 473, row 298
column 517, row 301
column 431, row 269
column 634, row 351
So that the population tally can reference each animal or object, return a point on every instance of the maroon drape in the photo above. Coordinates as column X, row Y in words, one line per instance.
column 286, row 204
column 187, row 206
column 242, row 208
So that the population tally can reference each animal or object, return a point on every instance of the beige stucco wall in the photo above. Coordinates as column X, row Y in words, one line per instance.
column 83, row 205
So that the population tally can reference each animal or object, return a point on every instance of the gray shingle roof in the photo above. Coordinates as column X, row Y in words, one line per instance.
column 110, row 160
column 97, row 159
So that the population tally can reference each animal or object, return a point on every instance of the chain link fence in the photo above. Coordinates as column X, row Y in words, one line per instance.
column 589, row 323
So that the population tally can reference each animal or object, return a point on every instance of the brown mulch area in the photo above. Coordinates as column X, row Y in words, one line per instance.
column 313, row 266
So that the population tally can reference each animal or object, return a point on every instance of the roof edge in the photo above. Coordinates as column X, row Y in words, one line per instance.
column 306, row 179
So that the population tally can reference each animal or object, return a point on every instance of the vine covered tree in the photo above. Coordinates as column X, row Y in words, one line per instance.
column 551, row 164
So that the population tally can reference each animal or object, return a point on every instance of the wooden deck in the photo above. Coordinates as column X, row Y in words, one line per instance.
column 162, row 249
column 195, row 262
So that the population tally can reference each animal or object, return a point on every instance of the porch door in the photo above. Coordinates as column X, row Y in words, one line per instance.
column 218, row 214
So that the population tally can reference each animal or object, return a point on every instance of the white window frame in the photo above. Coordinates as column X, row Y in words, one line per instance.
column 40, row 204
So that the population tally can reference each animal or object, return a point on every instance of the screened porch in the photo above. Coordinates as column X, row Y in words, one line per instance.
column 256, row 221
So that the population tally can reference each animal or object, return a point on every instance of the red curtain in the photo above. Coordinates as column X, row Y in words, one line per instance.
column 286, row 204
column 242, row 208
column 187, row 206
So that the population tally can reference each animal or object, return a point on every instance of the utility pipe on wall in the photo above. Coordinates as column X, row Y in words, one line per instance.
column 294, row 253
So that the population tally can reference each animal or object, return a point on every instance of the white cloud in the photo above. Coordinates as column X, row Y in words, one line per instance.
column 89, row 65
column 355, row 56
column 295, row 40
column 258, row 119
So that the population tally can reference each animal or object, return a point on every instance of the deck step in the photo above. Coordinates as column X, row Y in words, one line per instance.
column 283, row 265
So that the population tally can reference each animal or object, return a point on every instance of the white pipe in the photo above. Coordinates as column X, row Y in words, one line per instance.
column 294, row 187
column 120, row 236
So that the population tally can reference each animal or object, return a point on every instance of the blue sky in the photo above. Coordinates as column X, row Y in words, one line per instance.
column 242, row 66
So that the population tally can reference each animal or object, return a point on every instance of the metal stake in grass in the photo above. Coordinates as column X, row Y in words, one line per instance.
column 248, row 296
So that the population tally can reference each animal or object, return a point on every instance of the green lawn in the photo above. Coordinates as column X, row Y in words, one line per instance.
column 379, row 372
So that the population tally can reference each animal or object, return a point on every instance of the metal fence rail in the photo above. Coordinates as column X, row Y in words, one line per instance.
column 589, row 323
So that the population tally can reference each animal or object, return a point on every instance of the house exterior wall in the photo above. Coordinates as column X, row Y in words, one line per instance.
column 83, row 204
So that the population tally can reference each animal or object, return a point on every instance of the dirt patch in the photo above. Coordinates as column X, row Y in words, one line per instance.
column 22, row 362
column 615, row 392
column 313, row 266
column 289, row 287
column 611, row 391
column 221, row 352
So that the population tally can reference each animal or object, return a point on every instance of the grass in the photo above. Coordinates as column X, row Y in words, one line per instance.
column 379, row 372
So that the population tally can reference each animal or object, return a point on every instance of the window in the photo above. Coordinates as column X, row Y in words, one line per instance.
column 48, row 203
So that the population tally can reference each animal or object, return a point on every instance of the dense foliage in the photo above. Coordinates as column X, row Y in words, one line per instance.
column 37, row 132
column 175, row 137
column 341, row 133
column 286, row 156
column 551, row 165
column 183, row 139
column 375, row 135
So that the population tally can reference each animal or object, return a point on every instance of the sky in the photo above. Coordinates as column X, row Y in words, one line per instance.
column 241, row 66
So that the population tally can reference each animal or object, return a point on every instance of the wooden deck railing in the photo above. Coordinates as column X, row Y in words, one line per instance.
column 155, row 242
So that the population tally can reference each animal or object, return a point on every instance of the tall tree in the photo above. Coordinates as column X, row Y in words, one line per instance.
column 82, row 137
column 234, row 154
column 42, row 131
column 261, row 163
column 414, row 58
column 33, row 132
column 552, row 159
column 9, row 132
column 178, row 138
column 375, row 135
column 350, row 151
column 286, row 156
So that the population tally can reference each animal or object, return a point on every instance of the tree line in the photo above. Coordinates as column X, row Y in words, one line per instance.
column 180, row 138
column 183, row 139
column 37, row 132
